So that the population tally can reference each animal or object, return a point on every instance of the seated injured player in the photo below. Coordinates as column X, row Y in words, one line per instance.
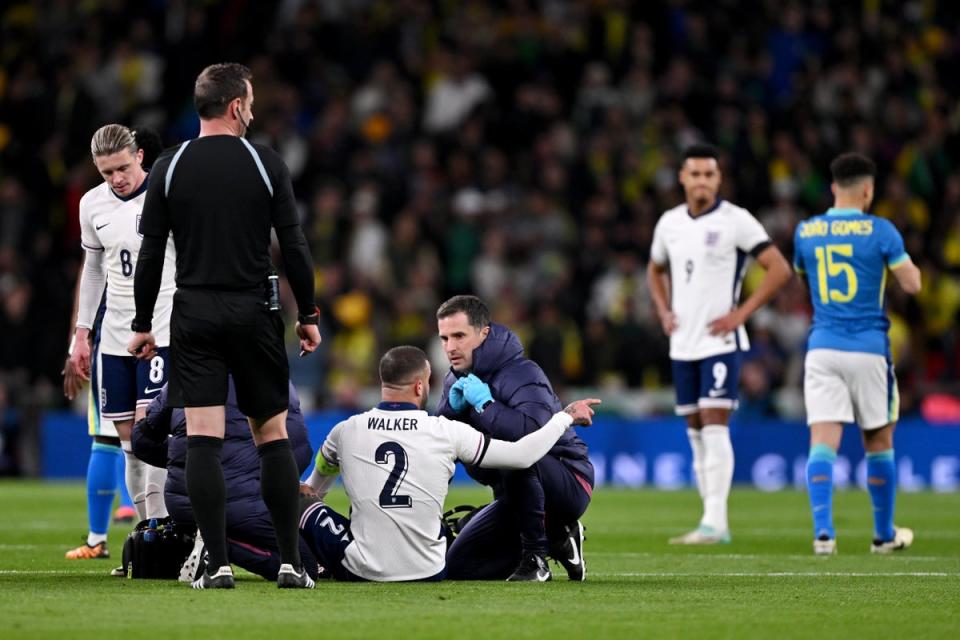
column 396, row 462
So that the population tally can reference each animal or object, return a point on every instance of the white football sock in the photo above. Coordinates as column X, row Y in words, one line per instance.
column 156, row 479
column 717, row 474
column 696, row 446
column 93, row 539
column 135, row 476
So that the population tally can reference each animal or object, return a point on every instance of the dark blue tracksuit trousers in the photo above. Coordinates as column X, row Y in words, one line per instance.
column 490, row 546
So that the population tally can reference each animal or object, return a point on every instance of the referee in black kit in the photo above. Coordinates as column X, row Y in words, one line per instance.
column 219, row 195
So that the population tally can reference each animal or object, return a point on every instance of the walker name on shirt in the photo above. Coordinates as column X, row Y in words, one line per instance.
column 836, row 228
column 392, row 424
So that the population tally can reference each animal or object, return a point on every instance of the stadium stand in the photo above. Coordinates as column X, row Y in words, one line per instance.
column 513, row 149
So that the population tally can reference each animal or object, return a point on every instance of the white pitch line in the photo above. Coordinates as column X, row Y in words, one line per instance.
column 19, row 547
column 782, row 574
column 40, row 525
column 787, row 532
column 757, row 556
column 638, row 574
column 51, row 572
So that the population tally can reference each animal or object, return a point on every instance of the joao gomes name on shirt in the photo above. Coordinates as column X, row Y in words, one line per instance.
column 836, row 227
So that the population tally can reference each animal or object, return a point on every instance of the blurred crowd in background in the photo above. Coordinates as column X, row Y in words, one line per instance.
column 520, row 150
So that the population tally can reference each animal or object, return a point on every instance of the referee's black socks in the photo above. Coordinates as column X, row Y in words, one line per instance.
column 280, row 488
column 208, row 496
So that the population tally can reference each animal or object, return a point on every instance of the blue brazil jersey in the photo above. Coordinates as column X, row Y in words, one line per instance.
column 844, row 256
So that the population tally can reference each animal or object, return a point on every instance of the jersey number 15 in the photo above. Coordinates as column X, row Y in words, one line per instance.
column 831, row 263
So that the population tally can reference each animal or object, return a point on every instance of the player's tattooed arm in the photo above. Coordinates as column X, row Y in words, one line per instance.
column 582, row 411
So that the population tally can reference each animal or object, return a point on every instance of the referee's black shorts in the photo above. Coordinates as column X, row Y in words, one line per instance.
column 213, row 332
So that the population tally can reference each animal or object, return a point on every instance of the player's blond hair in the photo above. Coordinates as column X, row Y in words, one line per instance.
column 112, row 138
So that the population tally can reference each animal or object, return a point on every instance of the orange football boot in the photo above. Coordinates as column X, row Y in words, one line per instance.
column 86, row 552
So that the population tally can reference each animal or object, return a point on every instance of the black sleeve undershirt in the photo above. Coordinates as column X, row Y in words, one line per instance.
column 298, row 265
column 147, row 279
column 297, row 261
column 757, row 250
column 155, row 228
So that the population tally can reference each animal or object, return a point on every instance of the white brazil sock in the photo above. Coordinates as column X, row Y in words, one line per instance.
column 93, row 539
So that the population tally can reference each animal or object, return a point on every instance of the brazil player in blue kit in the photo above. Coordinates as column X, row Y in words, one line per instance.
column 844, row 256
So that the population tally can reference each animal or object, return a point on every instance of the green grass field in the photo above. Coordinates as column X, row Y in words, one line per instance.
column 766, row 584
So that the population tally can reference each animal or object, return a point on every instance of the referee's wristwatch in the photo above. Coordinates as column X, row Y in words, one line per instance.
column 311, row 318
column 141, row 326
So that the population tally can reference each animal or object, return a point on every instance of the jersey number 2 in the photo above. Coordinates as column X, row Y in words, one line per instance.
column 829, row 265
column 389, row 498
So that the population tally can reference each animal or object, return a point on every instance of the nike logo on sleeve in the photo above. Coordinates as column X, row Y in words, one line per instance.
column 102, row 226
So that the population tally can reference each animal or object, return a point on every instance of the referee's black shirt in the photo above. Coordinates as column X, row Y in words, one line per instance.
column 220, row 211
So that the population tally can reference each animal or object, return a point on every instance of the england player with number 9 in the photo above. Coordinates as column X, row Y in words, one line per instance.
column 697, row 262
column 844, row 256
column 109, row 216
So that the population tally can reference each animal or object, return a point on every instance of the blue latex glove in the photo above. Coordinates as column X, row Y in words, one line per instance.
column 455, row 397
column 476, row 391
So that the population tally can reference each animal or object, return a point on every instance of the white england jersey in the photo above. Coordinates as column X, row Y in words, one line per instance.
column 109, row 224
column 708, row 257
column 396, row 467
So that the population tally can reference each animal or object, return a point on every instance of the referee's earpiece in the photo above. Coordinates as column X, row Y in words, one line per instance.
column 246, row 125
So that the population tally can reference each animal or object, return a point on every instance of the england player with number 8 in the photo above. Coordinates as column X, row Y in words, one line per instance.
column 697, row 262
column 109, row 216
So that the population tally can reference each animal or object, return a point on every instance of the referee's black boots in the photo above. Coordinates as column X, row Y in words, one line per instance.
column 222, row 579
column 288, row 578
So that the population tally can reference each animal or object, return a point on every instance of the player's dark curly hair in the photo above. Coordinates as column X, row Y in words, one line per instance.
column 217, row 86
column 851, row 167
column 701, row 151
column 401, row 365
column 148, row 140
column 478, row 314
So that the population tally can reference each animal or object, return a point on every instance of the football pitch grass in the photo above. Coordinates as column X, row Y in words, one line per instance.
column 766, row 584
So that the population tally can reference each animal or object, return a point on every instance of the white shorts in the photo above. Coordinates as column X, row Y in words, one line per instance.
column 849, row 386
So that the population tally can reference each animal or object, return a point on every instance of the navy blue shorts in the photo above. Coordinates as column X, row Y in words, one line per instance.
column 127, row 383
column 327, row 533
column 710, row 383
